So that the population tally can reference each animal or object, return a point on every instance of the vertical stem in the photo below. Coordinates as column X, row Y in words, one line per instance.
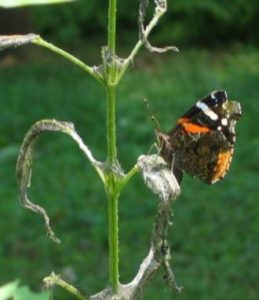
column 111, row 115
column 112, row 189
column 111, row 125
column 112, row 193
column 112, row 25
column 113, row 241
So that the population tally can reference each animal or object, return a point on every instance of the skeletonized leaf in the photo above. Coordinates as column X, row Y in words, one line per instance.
column 7, row 41
column 14, row 3
column 160, row 9
column 159, row 177
column 25, row 160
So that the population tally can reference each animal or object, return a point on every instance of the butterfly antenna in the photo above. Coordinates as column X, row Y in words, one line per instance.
column 152, row 116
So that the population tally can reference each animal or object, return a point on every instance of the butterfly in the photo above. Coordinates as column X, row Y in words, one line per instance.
column 202, row 141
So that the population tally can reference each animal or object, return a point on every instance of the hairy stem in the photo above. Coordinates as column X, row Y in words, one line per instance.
column 112, row 25
column 54, row 279
column 112, row 182
column 112, row 194
column 128, row 177
column 111, row 126
column 113, row 240
column 41, row 42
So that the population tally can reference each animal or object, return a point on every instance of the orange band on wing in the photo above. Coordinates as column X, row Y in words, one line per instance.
column 191, row 127
column 222, row 166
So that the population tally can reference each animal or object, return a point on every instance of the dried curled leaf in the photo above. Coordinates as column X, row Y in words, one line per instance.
column 160, row 9
column 25, row 160
column 7, row 41
column 16, row 3
column 159, row 177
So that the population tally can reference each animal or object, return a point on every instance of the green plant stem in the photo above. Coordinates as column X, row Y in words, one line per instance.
column 113, row 239
column 55, row 279
column 112, row 182
column 39, row 41
column 111, row 126
column 111, row 188
column 112, row 25
column 128, row 177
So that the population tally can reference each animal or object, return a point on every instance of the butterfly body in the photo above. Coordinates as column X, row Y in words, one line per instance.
column 202, row 142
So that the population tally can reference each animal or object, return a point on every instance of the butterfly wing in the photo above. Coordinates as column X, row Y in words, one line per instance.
column 201, row 143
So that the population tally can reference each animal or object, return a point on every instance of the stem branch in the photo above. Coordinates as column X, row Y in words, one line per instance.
column 158, row 14
column 128, row 177
column 41, row 42
column 54, row 279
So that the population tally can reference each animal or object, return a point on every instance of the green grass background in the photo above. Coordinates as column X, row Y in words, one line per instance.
column 215, row 232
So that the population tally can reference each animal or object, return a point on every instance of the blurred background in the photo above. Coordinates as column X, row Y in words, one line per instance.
column 215, row 230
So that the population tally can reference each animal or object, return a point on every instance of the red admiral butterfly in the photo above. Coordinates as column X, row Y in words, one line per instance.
column 202, row 142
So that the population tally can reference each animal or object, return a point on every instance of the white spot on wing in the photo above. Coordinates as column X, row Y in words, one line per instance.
column 224, row 121
column 226, row 94
column 213, row 96
column 207, row 111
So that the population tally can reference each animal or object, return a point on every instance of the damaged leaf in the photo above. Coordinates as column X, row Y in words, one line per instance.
column 159, row 177
column 25, row 161
column 15, row 40
column 160, row 9
column 15, row 3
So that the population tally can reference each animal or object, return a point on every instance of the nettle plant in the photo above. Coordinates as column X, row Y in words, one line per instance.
column 157, row 170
